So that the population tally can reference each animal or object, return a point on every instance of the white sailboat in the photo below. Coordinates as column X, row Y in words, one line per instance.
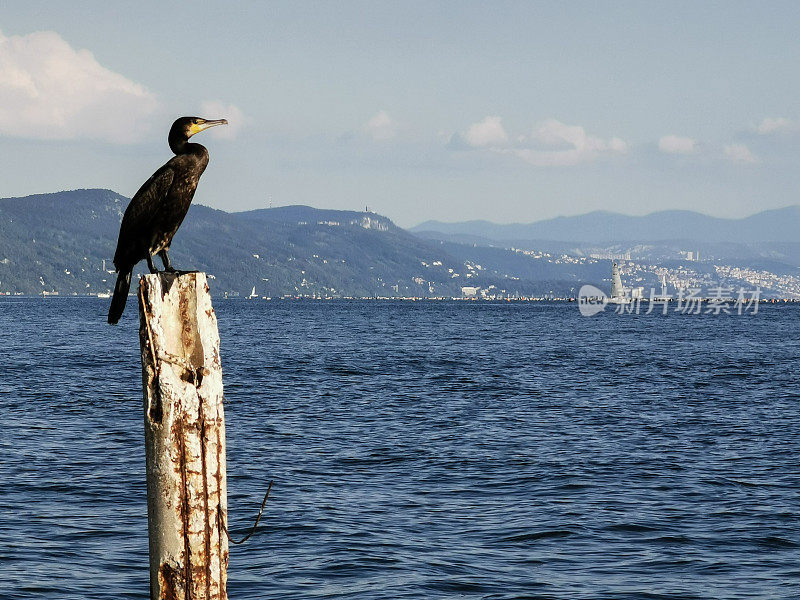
column 664, row 297
column 253, row 294
column 617, row 291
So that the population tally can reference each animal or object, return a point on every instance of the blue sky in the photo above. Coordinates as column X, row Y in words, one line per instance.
column 503, row 111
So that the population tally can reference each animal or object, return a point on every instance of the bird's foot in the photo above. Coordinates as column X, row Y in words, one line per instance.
column 167, row 279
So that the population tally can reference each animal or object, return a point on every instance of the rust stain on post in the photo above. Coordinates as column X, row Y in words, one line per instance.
column 169, row 580
column 184, row 438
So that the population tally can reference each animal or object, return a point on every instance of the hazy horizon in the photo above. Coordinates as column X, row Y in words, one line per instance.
column 685, row 210
column 421, row 222
column 509, row 112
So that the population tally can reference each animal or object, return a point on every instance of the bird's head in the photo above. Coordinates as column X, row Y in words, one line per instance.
column 185, row 127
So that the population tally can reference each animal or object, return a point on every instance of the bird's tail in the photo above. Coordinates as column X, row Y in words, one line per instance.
column 120, row 296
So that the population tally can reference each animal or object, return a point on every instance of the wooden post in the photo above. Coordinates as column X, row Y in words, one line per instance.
column 184, row 438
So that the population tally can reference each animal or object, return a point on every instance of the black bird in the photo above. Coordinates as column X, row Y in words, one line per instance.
column 158, row 208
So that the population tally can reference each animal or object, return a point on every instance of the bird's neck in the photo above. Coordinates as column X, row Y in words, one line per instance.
column 183, row 146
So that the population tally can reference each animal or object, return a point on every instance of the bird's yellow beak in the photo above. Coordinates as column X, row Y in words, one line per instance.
column 204, row 124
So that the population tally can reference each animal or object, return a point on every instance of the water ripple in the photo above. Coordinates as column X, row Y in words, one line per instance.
column 419, row 451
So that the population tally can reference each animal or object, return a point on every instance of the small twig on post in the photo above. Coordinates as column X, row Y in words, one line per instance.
column 258, row 518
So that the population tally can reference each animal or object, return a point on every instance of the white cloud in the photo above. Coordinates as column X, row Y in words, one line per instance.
column 214, row 109
column 48, row 90
column 618, row 145
column 739, row 153
column 488, row 132
column 381, row 126
column 777, row 125
column 551, row 144
column 558, row 145
column 673, row 144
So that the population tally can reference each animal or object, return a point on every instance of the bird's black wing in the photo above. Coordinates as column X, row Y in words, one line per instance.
column 136, row 230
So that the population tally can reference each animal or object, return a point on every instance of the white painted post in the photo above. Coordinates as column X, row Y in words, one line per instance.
column 184, row 438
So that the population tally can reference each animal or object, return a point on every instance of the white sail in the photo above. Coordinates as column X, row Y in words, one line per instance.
column 664, row 296
column 617, row 291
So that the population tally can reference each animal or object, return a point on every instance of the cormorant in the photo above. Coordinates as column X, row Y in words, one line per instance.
column 158, row 208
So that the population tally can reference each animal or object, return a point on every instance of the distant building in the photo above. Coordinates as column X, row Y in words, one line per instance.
column 469, row 291
column 370, row 223
column 611, row 255
column 693, row 255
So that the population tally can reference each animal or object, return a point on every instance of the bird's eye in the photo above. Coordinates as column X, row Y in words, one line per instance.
column 196, row 121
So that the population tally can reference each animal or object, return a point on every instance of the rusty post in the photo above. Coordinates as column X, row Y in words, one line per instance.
column 184, row 438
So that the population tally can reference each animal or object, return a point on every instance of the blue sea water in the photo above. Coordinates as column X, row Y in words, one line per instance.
column 422, row 450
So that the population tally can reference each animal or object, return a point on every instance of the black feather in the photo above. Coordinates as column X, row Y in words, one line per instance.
column 120, row 297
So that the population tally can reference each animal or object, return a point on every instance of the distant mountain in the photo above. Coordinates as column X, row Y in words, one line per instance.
column 59, row 242
column 780, row 225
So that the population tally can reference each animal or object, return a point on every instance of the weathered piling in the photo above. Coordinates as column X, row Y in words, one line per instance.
column 184, row 438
